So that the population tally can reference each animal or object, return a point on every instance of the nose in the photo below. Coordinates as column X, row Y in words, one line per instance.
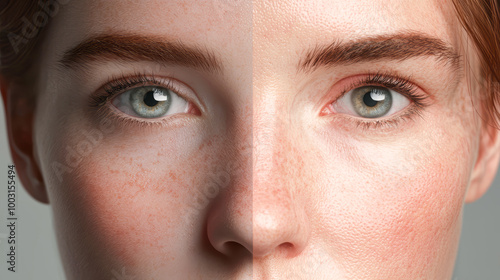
column 264, row 217
column 279, row 227
column 264, row 212
column 229, row 222
column 280, row 224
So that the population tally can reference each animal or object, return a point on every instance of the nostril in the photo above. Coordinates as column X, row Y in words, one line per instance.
column 235, row 249
column 286, row 246
column 287, row 249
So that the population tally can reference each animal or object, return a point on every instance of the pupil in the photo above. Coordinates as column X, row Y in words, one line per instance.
column 149, row 99
column 368, row 100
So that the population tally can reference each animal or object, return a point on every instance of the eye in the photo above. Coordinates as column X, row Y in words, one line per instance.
column 150, row 102
column 371, row 102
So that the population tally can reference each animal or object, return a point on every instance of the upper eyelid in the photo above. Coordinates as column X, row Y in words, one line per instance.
column 112, row 88
column 390, row 83
column 402, row 85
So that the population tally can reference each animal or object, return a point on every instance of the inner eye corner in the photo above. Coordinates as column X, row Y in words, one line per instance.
column 325, row 110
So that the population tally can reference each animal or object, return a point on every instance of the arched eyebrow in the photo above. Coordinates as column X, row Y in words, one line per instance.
column 140, row 48
column 388, row 47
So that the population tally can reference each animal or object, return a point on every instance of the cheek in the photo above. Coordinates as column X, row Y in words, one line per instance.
column 394, row 207
column 126, row 199
column 131, row 206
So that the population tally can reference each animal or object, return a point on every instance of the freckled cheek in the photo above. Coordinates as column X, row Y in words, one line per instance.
column 129, row 205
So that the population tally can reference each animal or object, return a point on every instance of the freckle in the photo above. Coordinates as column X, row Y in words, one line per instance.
column 207, row 143
column 172, row 176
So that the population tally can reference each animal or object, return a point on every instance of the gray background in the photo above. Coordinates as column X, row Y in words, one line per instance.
column 38, row 258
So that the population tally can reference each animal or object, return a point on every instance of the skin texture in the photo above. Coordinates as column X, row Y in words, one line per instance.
column 263, row 182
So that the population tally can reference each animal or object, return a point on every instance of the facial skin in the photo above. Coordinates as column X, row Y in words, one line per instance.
column 130, row 206
column 367, row 200
column 259, row 178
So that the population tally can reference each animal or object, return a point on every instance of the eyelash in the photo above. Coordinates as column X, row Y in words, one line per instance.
column 399, row 84
column 118, row 85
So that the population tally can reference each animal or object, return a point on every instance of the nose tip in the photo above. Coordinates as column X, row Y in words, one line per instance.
column 241, row 229
column 278, row 229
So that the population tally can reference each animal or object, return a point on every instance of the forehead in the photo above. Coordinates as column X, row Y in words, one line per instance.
column 197, row 20
column 191, row 19
column 325, row 20
column 212, row 24
column 217, row 22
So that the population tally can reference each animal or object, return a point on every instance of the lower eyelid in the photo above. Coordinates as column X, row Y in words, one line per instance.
column 380, row 125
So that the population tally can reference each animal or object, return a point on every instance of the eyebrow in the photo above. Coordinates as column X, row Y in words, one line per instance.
column 140, row 48
column 397, row 47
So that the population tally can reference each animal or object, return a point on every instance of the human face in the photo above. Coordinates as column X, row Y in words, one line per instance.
column 255, row 174
column 340, row 195
column 132, row 195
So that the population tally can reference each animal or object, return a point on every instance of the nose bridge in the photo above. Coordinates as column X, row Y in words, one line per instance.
column 272, row 149
column 279, row 220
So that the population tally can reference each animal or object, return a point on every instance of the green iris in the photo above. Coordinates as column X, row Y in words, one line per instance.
column 151, row 101
column 371, row 101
